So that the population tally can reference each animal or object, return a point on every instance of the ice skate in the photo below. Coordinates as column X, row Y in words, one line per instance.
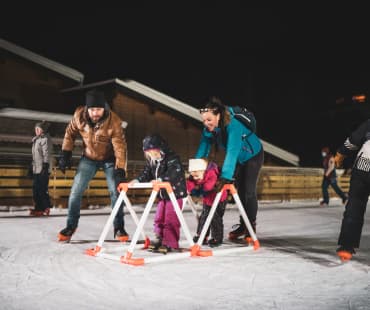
column 66, row 234
column 239, row 230
column 164, row 249
column 345, row 253
column 36, row 213
column 214, row 243
column 120, row 234
column 155, row 244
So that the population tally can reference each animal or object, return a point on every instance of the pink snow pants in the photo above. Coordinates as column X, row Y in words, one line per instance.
column 166, row 223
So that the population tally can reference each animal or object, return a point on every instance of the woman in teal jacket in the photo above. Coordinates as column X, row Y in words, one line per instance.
column 243, row 156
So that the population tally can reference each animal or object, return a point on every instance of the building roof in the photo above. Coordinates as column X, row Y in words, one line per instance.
column 181, row 107
column 40, row 60
column 35, row 115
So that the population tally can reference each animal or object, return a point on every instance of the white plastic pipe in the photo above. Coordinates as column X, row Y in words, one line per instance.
column 133, row 215
column 142, row 221
column 109, row 222
column 244, row 216
column 184, row 226
column 209, row 218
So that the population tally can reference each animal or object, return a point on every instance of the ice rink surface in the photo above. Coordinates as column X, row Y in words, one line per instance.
column 295, row 267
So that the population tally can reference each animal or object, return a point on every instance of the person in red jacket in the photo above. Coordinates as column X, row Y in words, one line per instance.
column 201, row 182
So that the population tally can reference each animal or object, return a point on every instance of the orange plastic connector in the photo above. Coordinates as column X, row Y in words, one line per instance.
column 122, row 187
column 231, row 188
column 256, row 245
column 249, row 240
column 166, row 185
column 93, row 251
column 196, row 251
column 127, row 259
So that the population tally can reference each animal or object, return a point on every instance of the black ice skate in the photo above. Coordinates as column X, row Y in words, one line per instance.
column 120, row 234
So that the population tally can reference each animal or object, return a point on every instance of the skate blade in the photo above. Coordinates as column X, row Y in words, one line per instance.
column 235, row 236
column 156, row 251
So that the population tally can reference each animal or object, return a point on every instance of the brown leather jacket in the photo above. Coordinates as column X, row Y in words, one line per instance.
column 102, row 141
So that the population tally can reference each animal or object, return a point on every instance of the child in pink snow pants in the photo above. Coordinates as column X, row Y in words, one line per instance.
column 163, row 165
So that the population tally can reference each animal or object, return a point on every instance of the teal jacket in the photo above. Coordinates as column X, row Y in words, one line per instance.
column 242, row 145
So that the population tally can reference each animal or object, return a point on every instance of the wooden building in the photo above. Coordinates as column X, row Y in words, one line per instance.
column 31, row 81
column 33, row 88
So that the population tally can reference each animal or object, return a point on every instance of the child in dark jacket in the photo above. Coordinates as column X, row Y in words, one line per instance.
column 163, row 165
column 201, row 182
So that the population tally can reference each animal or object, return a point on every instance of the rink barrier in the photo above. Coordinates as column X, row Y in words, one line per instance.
column 274, row 184
column 194, row 249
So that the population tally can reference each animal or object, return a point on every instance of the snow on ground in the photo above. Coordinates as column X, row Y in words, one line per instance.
column 295, row 268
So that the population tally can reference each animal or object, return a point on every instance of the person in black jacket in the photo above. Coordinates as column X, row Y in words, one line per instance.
column 330, row 178
column 359, row 191
column 164, row 165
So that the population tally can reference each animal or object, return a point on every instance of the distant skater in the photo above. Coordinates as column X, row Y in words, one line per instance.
column 330, row 178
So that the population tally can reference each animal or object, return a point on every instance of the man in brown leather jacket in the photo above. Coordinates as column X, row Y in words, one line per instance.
column 104, row 147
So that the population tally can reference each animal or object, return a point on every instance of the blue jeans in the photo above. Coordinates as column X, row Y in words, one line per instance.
column 333, row 183
column 86, row 170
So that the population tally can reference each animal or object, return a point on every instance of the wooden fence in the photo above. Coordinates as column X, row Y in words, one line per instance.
column 275, row 183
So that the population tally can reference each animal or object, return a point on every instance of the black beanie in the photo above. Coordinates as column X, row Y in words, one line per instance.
column 95, row 99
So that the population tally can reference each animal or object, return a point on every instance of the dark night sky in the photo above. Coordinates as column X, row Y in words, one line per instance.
column 288, row 65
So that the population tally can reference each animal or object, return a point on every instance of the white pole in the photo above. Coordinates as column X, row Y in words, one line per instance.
column 133, row 214
column 209, row 218
column 188, row 200
column 167, row 257
column 109, row 222
column 181, row 218
column 142, row 221
column 244, row 216
column 122, row 196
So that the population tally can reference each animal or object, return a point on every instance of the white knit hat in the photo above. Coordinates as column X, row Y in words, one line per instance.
column 197, row 164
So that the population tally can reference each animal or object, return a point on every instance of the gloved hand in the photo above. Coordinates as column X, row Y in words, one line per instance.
column 220, row 184
column 197, row 192
column 65, row 160
column 119, row 175
column 45, row 169
column 30, row 171
column 338, row 159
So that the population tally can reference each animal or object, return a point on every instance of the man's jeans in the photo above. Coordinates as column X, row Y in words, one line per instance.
column 86, row 170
